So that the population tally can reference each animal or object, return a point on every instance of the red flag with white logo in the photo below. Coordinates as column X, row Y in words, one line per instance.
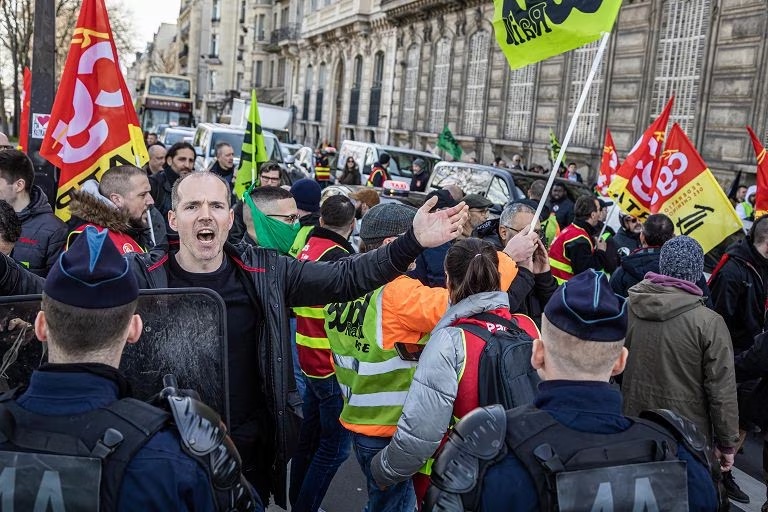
column 93, row 124
column 609, row 164
column 634, row 183
column 761, row 198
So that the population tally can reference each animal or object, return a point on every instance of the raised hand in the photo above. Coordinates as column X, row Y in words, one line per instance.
column 433, row 229
column 522, row 246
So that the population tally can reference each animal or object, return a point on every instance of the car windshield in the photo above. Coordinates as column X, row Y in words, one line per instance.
column 471, row 180
column 234, row 139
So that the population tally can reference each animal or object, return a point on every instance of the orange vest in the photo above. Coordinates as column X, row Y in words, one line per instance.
column 562, row 270
column 314, row 350
column 123, row 242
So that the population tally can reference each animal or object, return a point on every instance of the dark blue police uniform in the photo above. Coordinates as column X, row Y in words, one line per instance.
column 160, row 477
column 584, row 406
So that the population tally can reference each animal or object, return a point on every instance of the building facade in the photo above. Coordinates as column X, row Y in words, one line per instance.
column 398, row 71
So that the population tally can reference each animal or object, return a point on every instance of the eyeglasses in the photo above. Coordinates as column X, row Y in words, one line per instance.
column 537, row 231
column 273, row 179
column 290, row 219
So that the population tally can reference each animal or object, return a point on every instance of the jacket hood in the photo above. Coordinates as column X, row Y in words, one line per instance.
column 473, row 305
column 38, row 204
column 92, row 209
column 658, row 303
column 640, row 262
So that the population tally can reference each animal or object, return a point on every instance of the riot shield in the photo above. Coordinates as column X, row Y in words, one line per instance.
column 184, row 334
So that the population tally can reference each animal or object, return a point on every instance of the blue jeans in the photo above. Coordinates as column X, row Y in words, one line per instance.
column 324, row 444
column 301, row 383
column 396, row 498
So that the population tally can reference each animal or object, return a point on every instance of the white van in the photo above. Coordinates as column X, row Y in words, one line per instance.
column 208, row 135
column 367, row 153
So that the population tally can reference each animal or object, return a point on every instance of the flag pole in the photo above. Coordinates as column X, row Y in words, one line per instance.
column 592, row 72
column 605, row 224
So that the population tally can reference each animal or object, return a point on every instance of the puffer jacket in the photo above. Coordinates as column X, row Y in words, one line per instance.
column 428, row 407
column 42, row 234
column 279, row 283
column 680, row 358
column 739, row 290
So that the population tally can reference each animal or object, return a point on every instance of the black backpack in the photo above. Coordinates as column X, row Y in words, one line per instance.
column 505, row 375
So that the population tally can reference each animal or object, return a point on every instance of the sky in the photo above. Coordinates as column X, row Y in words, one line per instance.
column 147, row 16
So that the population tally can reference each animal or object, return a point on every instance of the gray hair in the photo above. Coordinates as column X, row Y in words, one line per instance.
column 513, row 209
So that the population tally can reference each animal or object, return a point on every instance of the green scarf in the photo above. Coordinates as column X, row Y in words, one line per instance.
column 271, row 233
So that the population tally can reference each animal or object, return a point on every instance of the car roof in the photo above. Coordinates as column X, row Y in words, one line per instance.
column 393, row 149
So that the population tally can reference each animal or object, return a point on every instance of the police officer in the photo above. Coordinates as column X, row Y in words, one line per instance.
column 75, row 440
column 573, row 449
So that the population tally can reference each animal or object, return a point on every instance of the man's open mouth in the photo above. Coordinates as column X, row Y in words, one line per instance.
column 206, row 235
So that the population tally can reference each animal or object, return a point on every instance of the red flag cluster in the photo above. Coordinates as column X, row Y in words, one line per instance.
column 761, row 198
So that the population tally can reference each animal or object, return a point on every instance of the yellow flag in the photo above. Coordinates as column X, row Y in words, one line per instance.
column 253, row 152
column 532, row 30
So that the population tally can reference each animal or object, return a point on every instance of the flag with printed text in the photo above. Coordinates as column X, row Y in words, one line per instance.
column 688, row 193
column 633, row 185
column 761, row 198
column 529, row 31
column 93, row 124
column 253, row 152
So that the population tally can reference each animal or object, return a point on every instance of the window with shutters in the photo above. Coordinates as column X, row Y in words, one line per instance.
column 477, row 77
column 679, row 59
column 354, row 98
column 378, row 77
column 520, row 103
column 585, row 133
column 410, row 88
column 440, row 77
column 320, row 91
column 307, row 94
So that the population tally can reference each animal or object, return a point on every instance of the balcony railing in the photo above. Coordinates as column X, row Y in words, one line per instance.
column 289, row 32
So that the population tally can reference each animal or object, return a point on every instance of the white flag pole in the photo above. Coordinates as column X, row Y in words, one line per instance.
column 592, row 72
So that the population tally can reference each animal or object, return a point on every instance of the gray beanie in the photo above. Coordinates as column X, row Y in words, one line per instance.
column 683, row 258
column 385, row 220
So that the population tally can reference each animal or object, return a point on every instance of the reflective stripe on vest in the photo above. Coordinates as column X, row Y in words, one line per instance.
column 560, row 263
column 748, row 208
column 374, row 381
column 300, row 241
column 374, row 171
column 322, row 173
column 314, row 351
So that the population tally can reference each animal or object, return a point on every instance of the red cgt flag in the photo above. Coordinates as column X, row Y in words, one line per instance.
column 634, row 183
column 26, row 98
column 761, row 198
column 609, row 164
column 93, row 124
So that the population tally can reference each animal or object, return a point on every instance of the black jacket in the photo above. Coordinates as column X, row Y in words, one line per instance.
column 279, row 283
column 625, row 239
column 226, row 174
column 563, row 211
column 752, row 364
column 488, row 231
column 43, row 235
column 583, row 257
column 634, row 267
column 530, row 292
column 739, row 292
column 419, row 181
column 161, row 186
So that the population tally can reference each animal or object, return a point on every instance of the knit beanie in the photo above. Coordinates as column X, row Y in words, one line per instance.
column 92, row 274
column 683, row 258
column 307, row 193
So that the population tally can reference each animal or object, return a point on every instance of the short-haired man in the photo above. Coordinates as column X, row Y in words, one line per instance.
column 77, row 408
column 10, row 228
column 151, row 139
column 479, row 207
column 534, row 284
column 680, row 354
column 271, row 218
column 270, row 174
column 573, row 448
column 420, row 176
column 179, row 162
column 324, row 444
column 156, row 161
column 561, row 205
column 577, row 248
column 259, row 287
column 572, row 174
column 122, row 204
column 224, row 165
column 627, row 239
column 43, row 235
column 517, row 163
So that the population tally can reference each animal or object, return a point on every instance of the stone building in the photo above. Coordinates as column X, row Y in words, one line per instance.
column 397, row 71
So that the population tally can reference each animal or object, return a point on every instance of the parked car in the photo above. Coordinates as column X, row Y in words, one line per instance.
column 366, row 153
column 499, row 185
column 173, row 134
column 208, row 135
